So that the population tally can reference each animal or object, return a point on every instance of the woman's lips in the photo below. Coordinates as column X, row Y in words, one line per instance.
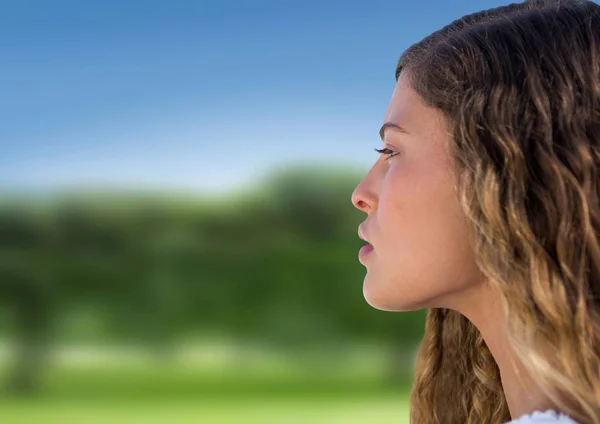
column 364, row 251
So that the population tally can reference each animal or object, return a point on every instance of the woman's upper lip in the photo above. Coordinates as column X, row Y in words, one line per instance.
column 360, row 234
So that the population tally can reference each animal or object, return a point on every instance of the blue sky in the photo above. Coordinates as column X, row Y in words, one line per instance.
column 203, row 95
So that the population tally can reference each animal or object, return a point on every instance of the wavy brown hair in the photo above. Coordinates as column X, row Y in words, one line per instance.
column 520, row 87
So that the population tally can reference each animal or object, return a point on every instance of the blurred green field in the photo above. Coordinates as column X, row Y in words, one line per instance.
column 173, row 393
column 322, row 411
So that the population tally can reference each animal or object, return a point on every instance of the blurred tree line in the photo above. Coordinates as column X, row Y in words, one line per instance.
column 276, row 264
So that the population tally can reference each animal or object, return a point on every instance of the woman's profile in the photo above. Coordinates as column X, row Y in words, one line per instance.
column 484, row 209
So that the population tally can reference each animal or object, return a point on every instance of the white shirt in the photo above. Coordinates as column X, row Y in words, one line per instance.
column 547, row 417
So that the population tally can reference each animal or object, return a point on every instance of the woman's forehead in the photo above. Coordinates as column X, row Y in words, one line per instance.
column 406, row 108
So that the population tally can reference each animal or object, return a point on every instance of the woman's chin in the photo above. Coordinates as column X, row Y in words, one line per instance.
column 377, row 296
column 386, row 298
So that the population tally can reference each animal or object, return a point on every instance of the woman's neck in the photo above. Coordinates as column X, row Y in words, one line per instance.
column 483, row 307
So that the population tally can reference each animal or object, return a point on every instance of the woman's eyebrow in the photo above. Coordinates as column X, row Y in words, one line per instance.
column 389, row 124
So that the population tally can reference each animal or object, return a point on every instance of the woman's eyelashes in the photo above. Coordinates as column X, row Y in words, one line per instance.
column 387, row 151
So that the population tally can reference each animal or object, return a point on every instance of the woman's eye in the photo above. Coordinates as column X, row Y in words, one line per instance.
column 386, row 151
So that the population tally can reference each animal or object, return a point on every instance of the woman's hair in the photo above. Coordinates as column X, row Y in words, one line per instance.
column 520, row 88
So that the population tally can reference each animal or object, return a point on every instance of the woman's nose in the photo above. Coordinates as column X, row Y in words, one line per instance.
column 363, row 198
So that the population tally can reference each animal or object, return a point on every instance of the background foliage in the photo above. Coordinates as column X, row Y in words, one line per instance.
column 268, row 275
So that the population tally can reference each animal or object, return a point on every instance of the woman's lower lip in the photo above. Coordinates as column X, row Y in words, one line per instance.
column 364, row 251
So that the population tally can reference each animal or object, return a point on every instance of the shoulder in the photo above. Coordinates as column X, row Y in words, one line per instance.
column 547, row 417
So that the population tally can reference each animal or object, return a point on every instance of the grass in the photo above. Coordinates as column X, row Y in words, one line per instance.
column 323, row 411
column 175, row 393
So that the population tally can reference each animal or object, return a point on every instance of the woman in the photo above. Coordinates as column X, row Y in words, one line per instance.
column 484, row 207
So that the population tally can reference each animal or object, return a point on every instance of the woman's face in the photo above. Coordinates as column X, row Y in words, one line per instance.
column 421, row 256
